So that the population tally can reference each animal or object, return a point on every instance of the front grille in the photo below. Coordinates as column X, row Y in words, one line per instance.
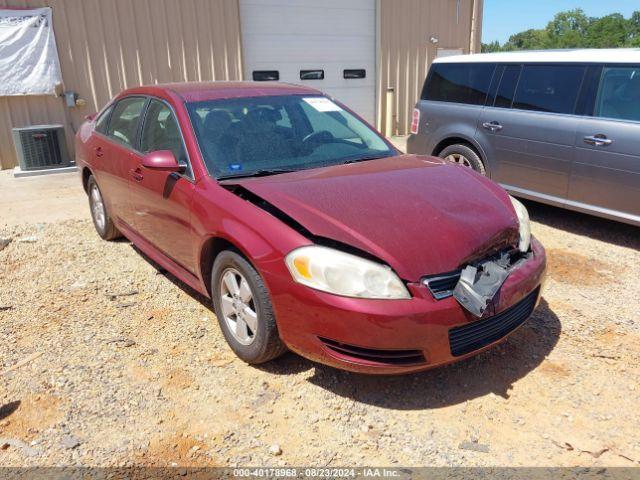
column 442, row 285
column 473, row 336
column 371, row 355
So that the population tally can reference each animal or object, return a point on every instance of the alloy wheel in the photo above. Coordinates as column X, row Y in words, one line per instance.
column 459, row 158
column 238, row 306
column 97, row 207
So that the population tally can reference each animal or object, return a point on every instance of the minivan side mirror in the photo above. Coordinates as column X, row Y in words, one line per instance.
column 162, row 160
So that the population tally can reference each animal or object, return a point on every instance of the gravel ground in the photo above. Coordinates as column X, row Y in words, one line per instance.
column 109, row 361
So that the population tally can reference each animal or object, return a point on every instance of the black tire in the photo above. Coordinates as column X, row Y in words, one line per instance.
column 468, row 153
column 266, row 344
column 105, row 228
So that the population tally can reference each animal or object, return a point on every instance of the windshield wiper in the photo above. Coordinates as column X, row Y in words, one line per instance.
column 258, row 173
column 364, row 159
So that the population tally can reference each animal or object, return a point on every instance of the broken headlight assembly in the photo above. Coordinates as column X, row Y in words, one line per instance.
column 525, row 227
column 341, row 273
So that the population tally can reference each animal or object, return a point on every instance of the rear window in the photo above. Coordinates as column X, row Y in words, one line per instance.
column 549, row 88
column 459, row 83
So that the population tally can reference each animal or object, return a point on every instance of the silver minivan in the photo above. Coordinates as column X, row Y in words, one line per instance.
column 560, row 127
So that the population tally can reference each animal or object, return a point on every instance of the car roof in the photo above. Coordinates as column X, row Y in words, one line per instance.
column 586, row 55
column 202, row 91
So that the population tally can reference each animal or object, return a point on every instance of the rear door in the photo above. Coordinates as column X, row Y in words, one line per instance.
column 111, row 147
column 529, row 130
column 161, row 200
column 606, row 171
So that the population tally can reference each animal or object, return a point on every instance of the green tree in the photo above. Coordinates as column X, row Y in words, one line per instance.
column 634, row 30
column 608, row 32
column 528, row 40
column 568, row 29
column 573, row 29
column 491, row 47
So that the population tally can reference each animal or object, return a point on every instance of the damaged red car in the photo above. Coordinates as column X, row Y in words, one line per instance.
column 307, row 229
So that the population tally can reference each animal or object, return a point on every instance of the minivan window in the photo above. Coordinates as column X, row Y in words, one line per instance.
column 619, row 93
column 549, row 88
column 507, row 87
column 124, row 120
column 459, row 82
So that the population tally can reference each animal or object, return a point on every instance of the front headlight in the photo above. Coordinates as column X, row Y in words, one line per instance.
column 344, row 274
column 525, row 226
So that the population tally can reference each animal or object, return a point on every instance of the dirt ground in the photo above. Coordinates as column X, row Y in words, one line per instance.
column 46, row 198
column 107, row 361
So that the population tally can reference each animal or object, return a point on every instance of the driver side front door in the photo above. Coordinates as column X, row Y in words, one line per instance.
column 161, row 200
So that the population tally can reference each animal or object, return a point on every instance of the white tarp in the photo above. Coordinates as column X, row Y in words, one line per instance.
column 28, row 56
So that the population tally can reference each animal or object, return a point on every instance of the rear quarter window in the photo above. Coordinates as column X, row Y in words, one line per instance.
column 459, row 82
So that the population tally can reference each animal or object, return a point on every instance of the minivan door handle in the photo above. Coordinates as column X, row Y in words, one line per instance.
column 493, row 126
column 598, row 140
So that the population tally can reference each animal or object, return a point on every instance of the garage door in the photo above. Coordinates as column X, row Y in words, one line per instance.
column 325, row 44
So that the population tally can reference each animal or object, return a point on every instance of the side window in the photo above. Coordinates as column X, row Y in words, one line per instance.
column 162, row 132
column 124, row 120
column 504, row 96
column 619, row 93
column 459, row 82
column 549, row 88
column 103, row 121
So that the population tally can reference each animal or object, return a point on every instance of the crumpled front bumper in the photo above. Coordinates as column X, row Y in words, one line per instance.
column 383, row 336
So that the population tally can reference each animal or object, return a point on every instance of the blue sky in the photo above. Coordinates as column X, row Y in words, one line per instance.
column 503, row 18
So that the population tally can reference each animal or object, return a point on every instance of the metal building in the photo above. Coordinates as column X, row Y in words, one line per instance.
column 372, row 55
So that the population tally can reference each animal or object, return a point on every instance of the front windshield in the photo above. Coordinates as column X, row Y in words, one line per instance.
column 243, row 137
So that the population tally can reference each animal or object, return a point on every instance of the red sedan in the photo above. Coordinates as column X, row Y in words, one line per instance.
column 307, row 229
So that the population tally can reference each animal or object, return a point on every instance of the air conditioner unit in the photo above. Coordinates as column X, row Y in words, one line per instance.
column 41, row 146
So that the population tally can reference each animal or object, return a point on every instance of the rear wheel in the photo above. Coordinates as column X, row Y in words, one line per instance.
column 463, row 155
column 101, row 219
column 244, row 309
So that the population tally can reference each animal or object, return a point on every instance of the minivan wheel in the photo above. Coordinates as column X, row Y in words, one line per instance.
column 99, row 214
column 243, row 307
column 463, row 155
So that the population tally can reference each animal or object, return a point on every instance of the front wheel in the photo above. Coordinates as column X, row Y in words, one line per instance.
column 463, row 155
column 99, row 214
column 243, row 307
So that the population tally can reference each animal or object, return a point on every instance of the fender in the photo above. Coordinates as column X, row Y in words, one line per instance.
column 469, row 138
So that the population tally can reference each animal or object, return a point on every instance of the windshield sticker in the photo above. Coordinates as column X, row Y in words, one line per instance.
column 235, row 167
column 322, row 104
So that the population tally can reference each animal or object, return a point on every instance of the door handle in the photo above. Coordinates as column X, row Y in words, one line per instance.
column 493, row 126
column 598, row 140
column 98, row 151
column 137, row 175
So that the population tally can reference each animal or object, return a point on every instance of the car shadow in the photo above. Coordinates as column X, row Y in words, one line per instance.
column 175, row 280
column 602, row 229
column 494, row 371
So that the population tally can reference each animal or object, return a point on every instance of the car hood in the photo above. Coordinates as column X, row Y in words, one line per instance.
column 420, row 215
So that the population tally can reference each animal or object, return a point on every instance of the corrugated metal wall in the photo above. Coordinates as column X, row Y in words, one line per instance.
column 106, row 46
column 405, row 49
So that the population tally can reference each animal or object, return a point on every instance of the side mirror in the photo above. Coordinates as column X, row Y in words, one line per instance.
column 162, row 160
